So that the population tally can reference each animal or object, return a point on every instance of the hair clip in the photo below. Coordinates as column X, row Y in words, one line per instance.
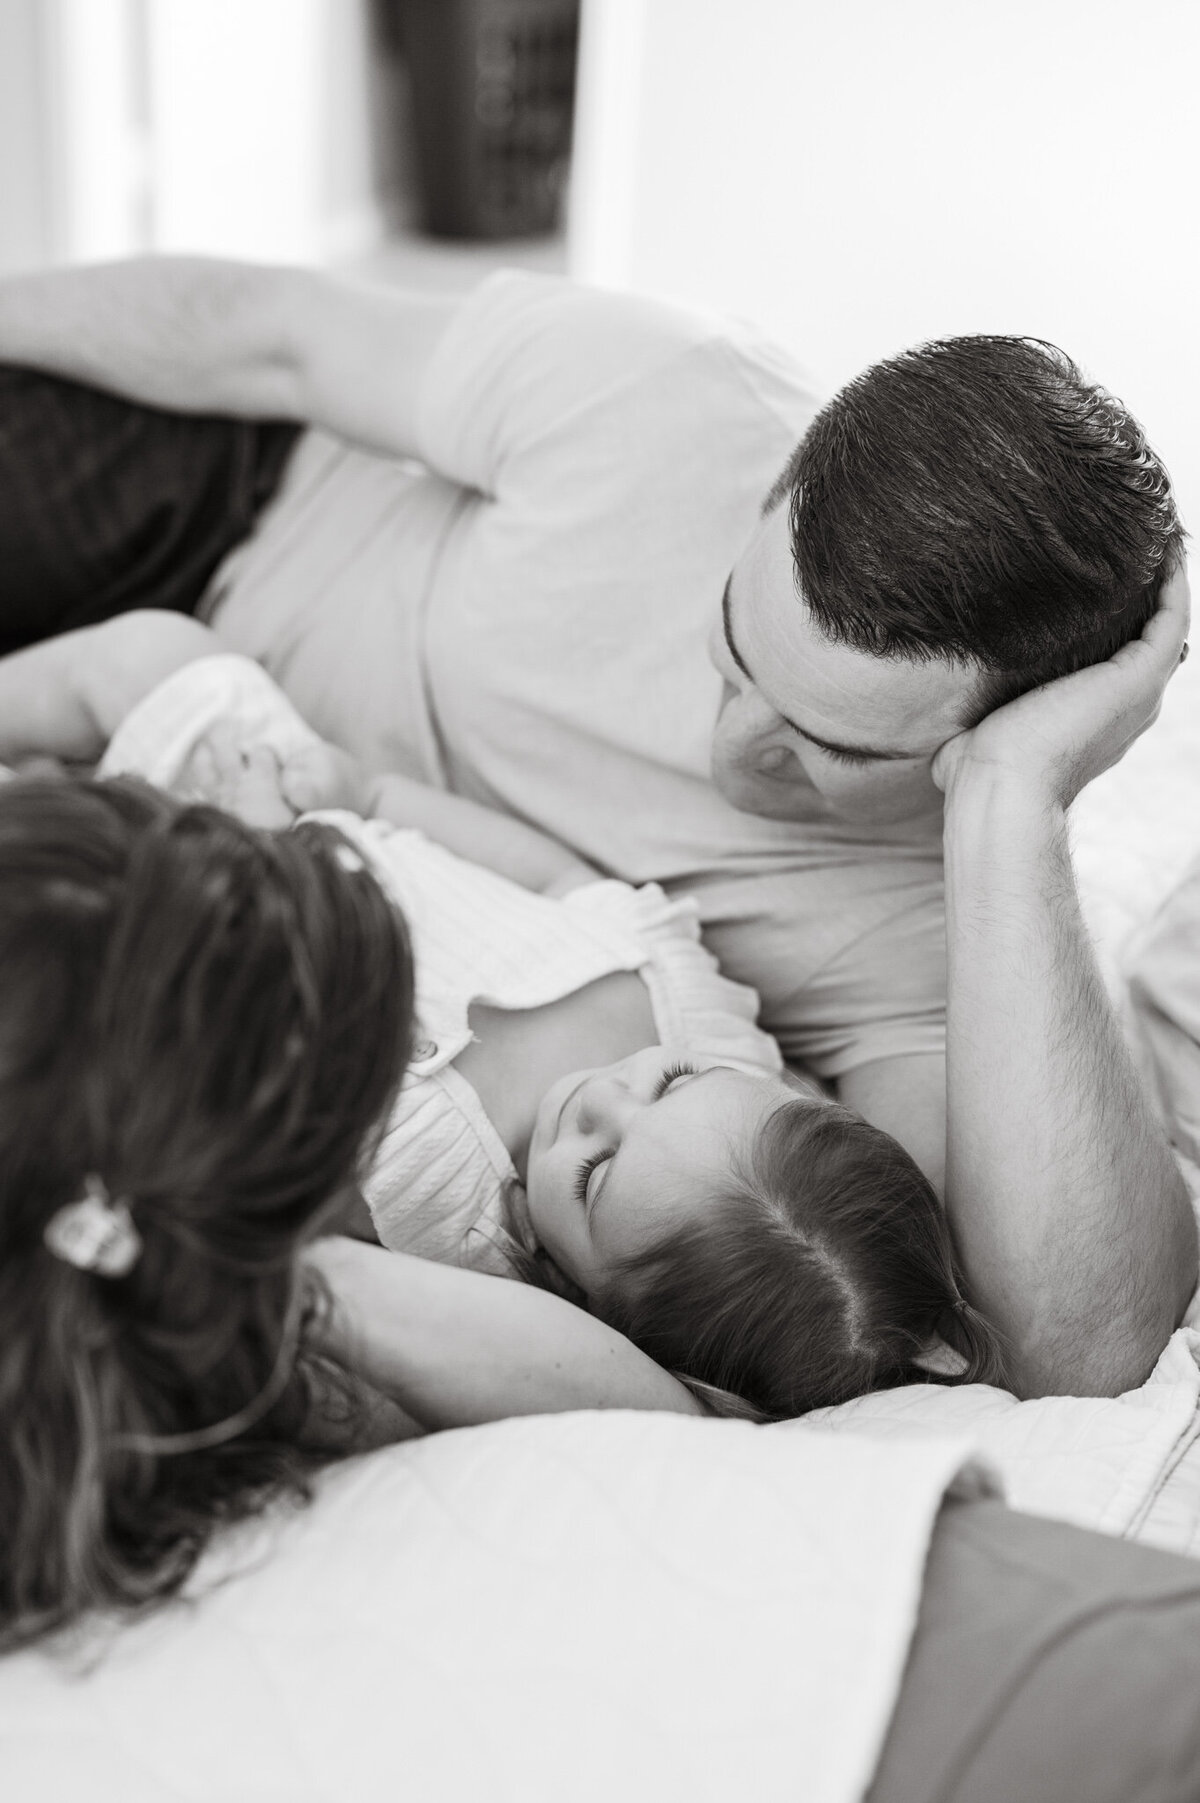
column 95, row 1233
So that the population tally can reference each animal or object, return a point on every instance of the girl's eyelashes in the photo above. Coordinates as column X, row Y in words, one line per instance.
column 672, row 1073
column 584, row 1173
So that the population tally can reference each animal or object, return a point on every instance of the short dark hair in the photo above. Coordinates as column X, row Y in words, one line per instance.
column 826, row 1271
column 213, row 1019
column 979, row 499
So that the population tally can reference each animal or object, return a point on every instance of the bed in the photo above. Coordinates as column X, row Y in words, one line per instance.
column 596, row 1605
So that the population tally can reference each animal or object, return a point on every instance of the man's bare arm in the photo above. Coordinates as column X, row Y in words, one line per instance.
column 201, row 335
column 1069, row 1211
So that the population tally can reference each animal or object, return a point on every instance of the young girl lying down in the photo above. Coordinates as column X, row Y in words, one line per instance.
column 206, row 1025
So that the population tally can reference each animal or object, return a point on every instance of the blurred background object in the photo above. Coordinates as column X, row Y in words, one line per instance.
column 854, row 175
column 297, row 130
column 493, row 90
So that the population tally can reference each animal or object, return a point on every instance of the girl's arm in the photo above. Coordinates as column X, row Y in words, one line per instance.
column 66, row 697
column 484, row 835
column 328, row 777
column 455, row 1348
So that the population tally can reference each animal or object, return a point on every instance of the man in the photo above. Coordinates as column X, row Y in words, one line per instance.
column 521, row 614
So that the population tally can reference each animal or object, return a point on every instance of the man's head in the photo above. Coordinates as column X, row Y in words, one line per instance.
column 960, row 524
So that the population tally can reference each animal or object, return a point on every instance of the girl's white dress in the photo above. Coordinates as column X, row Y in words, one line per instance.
column 441, row 1175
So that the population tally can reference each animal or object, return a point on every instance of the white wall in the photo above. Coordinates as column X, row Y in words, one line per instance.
column 260, row 128
column 27, row 173
column 857, row 175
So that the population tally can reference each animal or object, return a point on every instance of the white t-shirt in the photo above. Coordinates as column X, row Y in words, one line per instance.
column 522, row 617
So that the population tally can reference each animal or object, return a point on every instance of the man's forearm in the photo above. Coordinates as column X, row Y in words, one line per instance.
column 1071, row 1216
column 202, row 335
column 193, row 334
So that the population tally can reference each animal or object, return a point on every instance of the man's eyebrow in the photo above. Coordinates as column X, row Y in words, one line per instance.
column 876, row 753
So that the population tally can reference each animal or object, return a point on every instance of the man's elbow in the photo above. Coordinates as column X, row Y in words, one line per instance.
column 1115, row 1347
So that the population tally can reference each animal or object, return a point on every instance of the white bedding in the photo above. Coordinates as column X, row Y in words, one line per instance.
column 650, row 1608
column 1127, row 1465
column 620, row 1606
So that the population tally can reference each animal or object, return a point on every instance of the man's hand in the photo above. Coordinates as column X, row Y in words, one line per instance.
column 1059, row 737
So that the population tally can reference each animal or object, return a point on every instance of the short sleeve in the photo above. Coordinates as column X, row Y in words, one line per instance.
column 527, row 359
column 882, row 996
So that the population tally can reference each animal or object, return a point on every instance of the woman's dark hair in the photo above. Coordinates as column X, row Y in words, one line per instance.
column 979, row 498
column 212, row 1019
column 825, row 1271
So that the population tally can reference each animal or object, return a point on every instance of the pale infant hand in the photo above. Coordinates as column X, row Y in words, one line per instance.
column 243, row 782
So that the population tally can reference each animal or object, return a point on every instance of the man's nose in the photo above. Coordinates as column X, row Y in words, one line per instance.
column 747, row 719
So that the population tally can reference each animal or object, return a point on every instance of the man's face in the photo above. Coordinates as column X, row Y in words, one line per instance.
column 809, row 730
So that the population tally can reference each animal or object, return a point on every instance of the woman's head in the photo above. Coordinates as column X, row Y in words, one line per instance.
column 208, row 1021
column 760, row 1242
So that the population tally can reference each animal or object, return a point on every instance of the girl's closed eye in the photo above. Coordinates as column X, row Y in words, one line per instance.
column 583, row 1176
column 671, row 1075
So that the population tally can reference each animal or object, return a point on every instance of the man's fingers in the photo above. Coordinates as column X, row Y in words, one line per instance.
column 1167, row 627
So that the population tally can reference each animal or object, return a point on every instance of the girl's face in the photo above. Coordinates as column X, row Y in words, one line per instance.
column 622, row 1155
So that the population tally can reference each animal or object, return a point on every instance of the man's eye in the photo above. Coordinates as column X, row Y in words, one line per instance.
column 845, row 757
column 671, row 1075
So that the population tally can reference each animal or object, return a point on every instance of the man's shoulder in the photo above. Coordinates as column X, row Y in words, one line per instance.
column 605, row 343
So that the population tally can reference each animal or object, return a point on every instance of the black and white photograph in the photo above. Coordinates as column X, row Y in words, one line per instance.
column 599, row 901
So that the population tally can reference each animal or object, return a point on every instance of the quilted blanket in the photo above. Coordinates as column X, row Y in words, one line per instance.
column 654, row 1608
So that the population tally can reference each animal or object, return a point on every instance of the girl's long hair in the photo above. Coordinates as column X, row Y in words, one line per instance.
column 825, row 1271
column 212, row 1019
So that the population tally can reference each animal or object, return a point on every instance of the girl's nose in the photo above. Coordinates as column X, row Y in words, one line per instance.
column 604, row 1103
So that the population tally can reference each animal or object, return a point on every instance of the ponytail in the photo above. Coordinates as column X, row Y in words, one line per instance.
column 974, row 1340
